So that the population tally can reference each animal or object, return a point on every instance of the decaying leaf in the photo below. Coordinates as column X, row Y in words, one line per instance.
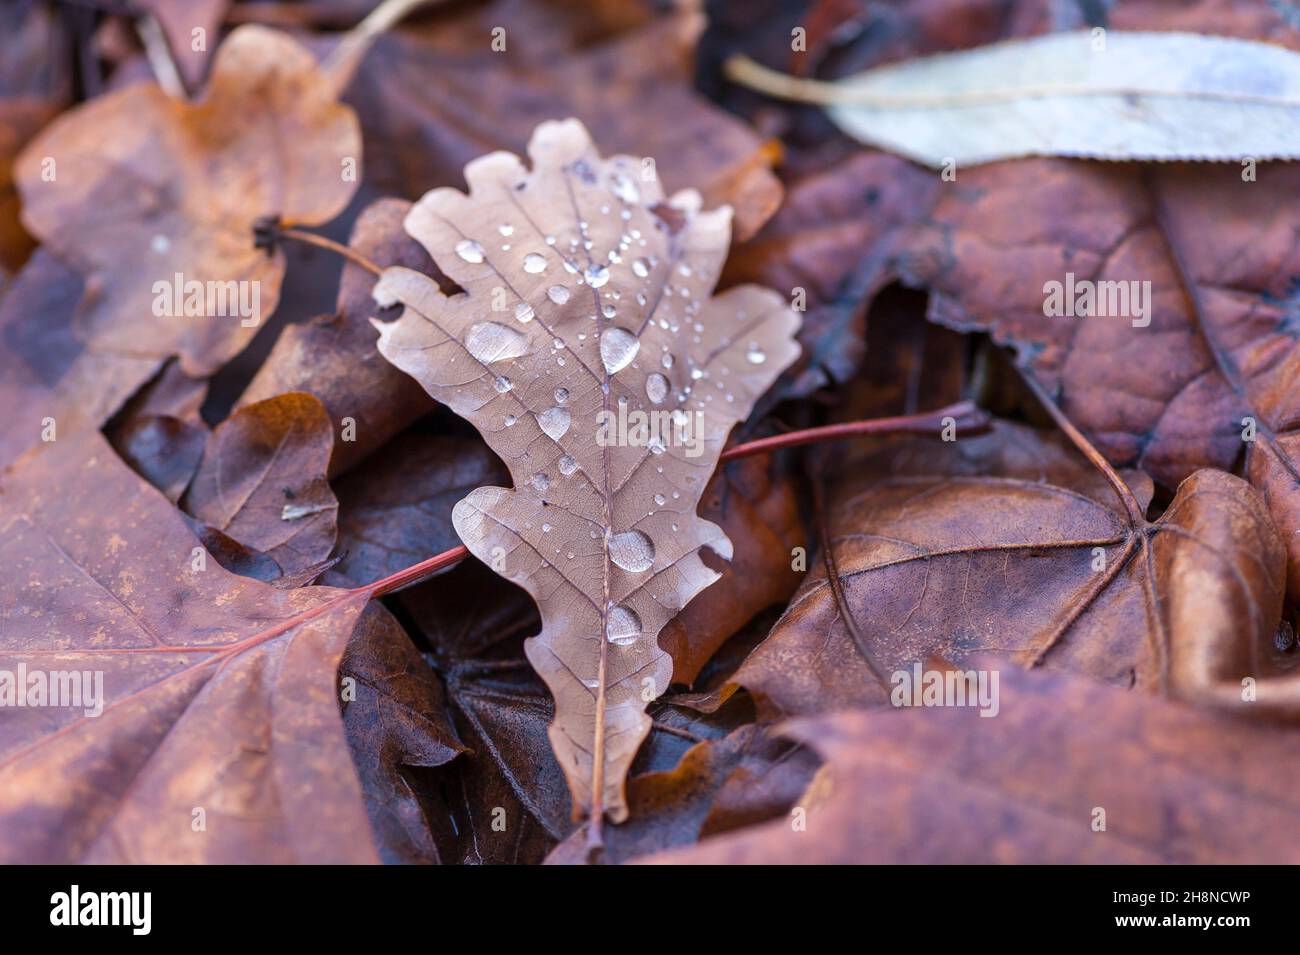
column 1210, row 260
column 334, row 357
column 585, row 308
column 1112, row 95
column 154, row 199
column 1005, row 544
column 262, row 481
column 1176, row 784
column 212, row 733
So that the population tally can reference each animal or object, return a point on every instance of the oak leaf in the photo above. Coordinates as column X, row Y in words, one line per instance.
column 585, row 301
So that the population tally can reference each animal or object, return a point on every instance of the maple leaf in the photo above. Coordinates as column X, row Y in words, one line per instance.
column 1006, row 544
column 136, row 187
column 219, row 693
column 1177, row 784
column 585, row 300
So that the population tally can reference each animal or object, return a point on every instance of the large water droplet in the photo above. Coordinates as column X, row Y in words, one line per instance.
column 558, row 294
column 534, row 264
column 622, row 626
column 555, row 422
column 632, row 550
column 624, row 188
column 492, row 341
column 469, row 250
column 596, row 275
column 618, row 347
column 656, row 388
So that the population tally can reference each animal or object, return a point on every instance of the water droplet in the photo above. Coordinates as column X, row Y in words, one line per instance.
column 546, row 528
column 641, row 267
column 624, row 188
column 622, row 626
column 541, row 482
column 510, row 420
column 656, row 388
column 632, row 550
column 755, row 354
column 568, row 465
column 555, row 422
column 561, row 395
column 160, row 243
column 667, row 360
column 558, row 294
column 506, row 229
column 618, row 347
column 502, row 384
column 596, row 275
column 523, row 312
column 492, row 341
column 534, row 264
column 660, row 500
column 469, row 250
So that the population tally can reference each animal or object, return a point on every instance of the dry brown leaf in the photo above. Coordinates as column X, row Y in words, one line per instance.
column 1003, row 543
column 334, row 357
column 610, row 315
column 218, row 692
column 262, row 481
column 1177, row 784
column 146, row 187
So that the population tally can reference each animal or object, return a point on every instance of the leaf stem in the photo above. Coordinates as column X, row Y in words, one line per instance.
column 965, row 413
column 311, row 238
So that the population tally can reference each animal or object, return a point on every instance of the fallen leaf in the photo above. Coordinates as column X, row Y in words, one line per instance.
column 634, row 91
column 219, row 738
column 636, row 560
column 1005, row 544
column 334, row 357
column 395, row 509
column 395, row 715
column 1176, row 785
column 1109, row 95
column 141, row 178
column 262, row 481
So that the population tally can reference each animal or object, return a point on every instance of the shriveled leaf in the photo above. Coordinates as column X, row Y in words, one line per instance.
column 610, row 316
column 262, row 481
column 334, row 357
column 1177, row 785
column 219, row 693
column 745, row 775
column 146, row 188
column 395, row 714
column 1117, row 95
column 966, row 548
